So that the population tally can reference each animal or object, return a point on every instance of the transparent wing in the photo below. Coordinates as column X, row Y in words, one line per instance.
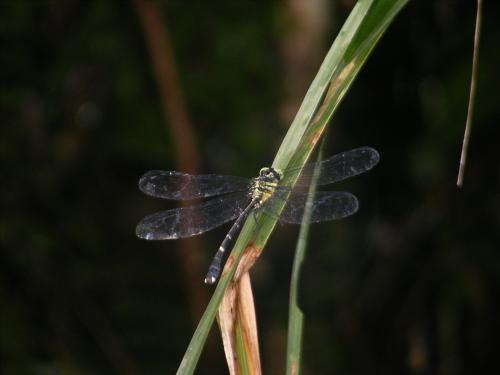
column 338, row 167
column 177, row 186
column 193, row 220
column 327, row 205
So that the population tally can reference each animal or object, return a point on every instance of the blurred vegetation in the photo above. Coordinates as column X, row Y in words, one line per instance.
column 408, row 285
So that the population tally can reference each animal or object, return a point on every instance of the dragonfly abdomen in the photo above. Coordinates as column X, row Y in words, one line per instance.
column 215, row 267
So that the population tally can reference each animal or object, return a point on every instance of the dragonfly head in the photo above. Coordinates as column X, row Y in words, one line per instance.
column 269, row 173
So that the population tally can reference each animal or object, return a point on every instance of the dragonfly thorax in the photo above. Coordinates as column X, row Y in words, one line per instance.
column 264, row 185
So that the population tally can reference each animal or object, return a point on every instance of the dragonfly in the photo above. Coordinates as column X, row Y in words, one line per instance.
column 232, row 198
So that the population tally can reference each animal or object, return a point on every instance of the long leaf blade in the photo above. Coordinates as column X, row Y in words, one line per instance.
column 359, row 35
column 295, row 314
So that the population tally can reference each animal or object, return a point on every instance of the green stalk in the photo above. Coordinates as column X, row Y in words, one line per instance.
column 359, row 35
column 241, row 353
column 295, row 314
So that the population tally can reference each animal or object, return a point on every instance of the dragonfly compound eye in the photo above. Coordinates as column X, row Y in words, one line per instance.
column 270, row 173
column 273, row 173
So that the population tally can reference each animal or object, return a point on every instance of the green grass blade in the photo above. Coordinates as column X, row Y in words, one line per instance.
column 371, row 19
column 242, row 357
column 359, row 35
column 320, row 84
column 295, row 315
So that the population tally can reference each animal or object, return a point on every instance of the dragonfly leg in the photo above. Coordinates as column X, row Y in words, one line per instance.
column 254, row 215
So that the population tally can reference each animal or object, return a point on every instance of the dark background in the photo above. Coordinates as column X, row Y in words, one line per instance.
column 408, row 285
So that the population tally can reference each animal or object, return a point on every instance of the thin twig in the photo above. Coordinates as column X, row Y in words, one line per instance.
column 472, row 94
column 179, row 126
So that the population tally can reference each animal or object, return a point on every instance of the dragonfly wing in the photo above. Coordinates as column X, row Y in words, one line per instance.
column 179, row 186
column 338, row 167
column 326, row 205
column 193, row 220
